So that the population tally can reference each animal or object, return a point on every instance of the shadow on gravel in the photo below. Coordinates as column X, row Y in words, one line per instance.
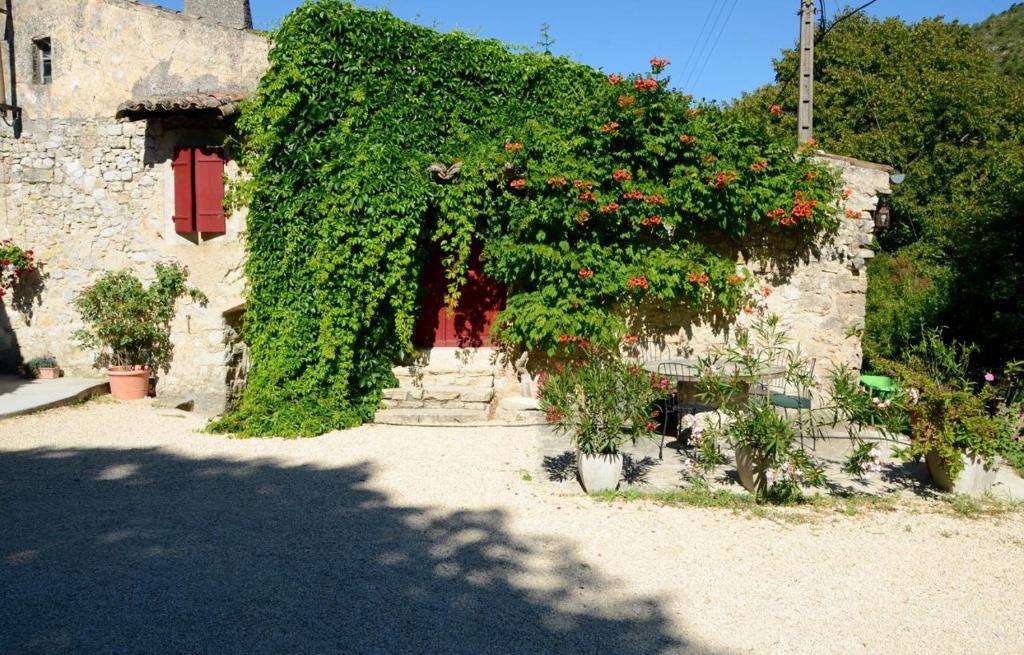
column 121, row 551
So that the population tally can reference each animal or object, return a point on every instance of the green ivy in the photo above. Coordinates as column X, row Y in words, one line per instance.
column 355, row 107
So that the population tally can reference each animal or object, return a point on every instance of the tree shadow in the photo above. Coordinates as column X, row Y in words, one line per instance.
column 145, row 551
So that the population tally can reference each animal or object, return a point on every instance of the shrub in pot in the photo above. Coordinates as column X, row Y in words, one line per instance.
column 129, row 325
column 43, row 368
column 601, row 402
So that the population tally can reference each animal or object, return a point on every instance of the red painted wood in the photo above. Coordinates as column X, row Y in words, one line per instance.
column 209, row 176
column 184, row 206
column 470, row 326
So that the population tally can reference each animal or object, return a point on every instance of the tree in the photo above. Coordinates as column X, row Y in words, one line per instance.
column 927, row 99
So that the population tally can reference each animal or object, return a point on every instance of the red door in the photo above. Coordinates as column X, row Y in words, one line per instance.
column 470, row 326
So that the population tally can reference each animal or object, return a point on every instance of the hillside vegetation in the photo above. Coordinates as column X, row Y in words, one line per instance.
column 1003, row 35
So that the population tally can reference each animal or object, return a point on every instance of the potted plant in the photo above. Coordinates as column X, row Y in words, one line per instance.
column 43, row 368
column 130, row 325
column 953, row 427
column 601, row 402
column 15, row 262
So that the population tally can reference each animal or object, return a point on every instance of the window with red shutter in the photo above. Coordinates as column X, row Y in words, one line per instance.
column 209, row 190
column 199, row 190
column 184, row 204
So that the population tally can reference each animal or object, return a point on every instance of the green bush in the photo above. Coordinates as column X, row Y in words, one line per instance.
column 128, row 324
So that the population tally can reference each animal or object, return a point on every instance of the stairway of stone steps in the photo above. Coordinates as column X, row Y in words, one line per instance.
column 434, row 395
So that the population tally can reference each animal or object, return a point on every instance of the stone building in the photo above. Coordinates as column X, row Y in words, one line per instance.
column 113, row 123
column 100, row 96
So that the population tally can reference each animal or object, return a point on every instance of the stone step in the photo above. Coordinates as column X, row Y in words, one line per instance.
column 521, row 411
column 441, row 393
column 435, row 404
column 436, row 379
column 445, row 416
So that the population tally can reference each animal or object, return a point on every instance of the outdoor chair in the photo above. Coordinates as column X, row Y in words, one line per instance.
column 792, row 396
column 676, row 373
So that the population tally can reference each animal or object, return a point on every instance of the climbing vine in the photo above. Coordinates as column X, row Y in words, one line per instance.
column 370, row 137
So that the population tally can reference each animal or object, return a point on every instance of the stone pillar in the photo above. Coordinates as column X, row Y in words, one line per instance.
column 235, row 13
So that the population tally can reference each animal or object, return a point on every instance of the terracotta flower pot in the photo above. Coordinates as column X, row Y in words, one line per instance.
column 128, row 382
column 48, row 373
column 751, row 468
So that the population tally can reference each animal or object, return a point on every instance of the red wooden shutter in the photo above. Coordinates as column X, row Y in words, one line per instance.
column 184, row 207
column 209, row 178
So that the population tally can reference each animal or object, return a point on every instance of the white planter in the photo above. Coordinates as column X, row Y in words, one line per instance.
column 599, row 472
column 976, row 478
column 751, row 468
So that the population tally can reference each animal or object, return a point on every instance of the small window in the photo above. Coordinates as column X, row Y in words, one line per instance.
column 43, row 61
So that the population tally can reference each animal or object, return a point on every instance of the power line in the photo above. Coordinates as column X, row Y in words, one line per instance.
column 700, row 35
column 718, row 11
column 714, row 44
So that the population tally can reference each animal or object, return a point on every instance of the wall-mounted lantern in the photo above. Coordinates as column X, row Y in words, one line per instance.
column 883, row 218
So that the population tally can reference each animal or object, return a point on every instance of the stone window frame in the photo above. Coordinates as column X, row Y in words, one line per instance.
column 42, row 60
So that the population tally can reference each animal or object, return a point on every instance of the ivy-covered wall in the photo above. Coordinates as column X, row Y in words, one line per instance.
column 592, row 193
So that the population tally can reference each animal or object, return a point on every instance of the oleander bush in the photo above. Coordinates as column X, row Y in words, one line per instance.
column 591, row 193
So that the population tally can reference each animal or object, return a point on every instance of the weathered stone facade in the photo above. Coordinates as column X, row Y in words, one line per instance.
column 818, row 288
column 90, row 194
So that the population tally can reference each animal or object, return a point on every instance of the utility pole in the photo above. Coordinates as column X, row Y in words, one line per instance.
column 805, row 113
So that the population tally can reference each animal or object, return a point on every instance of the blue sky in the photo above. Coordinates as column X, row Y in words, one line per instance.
column 718, row 48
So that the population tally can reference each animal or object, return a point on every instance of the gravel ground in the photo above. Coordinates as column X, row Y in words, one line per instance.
column 125, row 530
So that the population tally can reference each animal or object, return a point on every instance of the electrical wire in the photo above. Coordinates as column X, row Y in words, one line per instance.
column 702, row 45
column 714, row 43
column 700, row 35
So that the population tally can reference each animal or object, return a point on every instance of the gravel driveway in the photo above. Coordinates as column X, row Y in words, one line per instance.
column 123, row 530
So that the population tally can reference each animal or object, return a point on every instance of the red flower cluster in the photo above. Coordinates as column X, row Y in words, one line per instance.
column 659, row 64
column 735, row 279
column 586, row 272
column 767, row 291
column 852, row 213
column 583, row 217
column 639, row 281
column 810, row 175
column 610, row 127
column 775, row 110
column 659, row 382
column 630, row 338
column 635, row 194
column 777, row 213
column 552, row 415
column 651, row 426
column 610, row 208
column 645, row 84
column 614, row 78
column 803, row 208
column 847, row 192
column 722, row 179
column 582, row 184
column 686, row 138
column 568, row 338
column 626, row 101
column 700, row 279
column 587, row 196
column 759, row 166
column 513, row 147
column 653, row 220
column 518, row 183
column 710, row 159
column 557, row 181
column 655, row 199
column 621, row 174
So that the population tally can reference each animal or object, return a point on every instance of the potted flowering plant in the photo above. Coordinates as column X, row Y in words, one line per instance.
column 601, row 402
column 43, row 368
column 15, row 262
column 130, row 325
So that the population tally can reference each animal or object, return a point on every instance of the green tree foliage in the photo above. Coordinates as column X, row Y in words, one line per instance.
column 927, row 99
column 354, row 109
column 1003, row 35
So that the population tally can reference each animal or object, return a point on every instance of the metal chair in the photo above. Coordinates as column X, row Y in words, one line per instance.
column 793, row 396
column 676, row 373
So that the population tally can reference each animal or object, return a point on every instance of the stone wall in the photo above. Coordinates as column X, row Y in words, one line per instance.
column 109, row 51
column 91, row 196
column 818, row 289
